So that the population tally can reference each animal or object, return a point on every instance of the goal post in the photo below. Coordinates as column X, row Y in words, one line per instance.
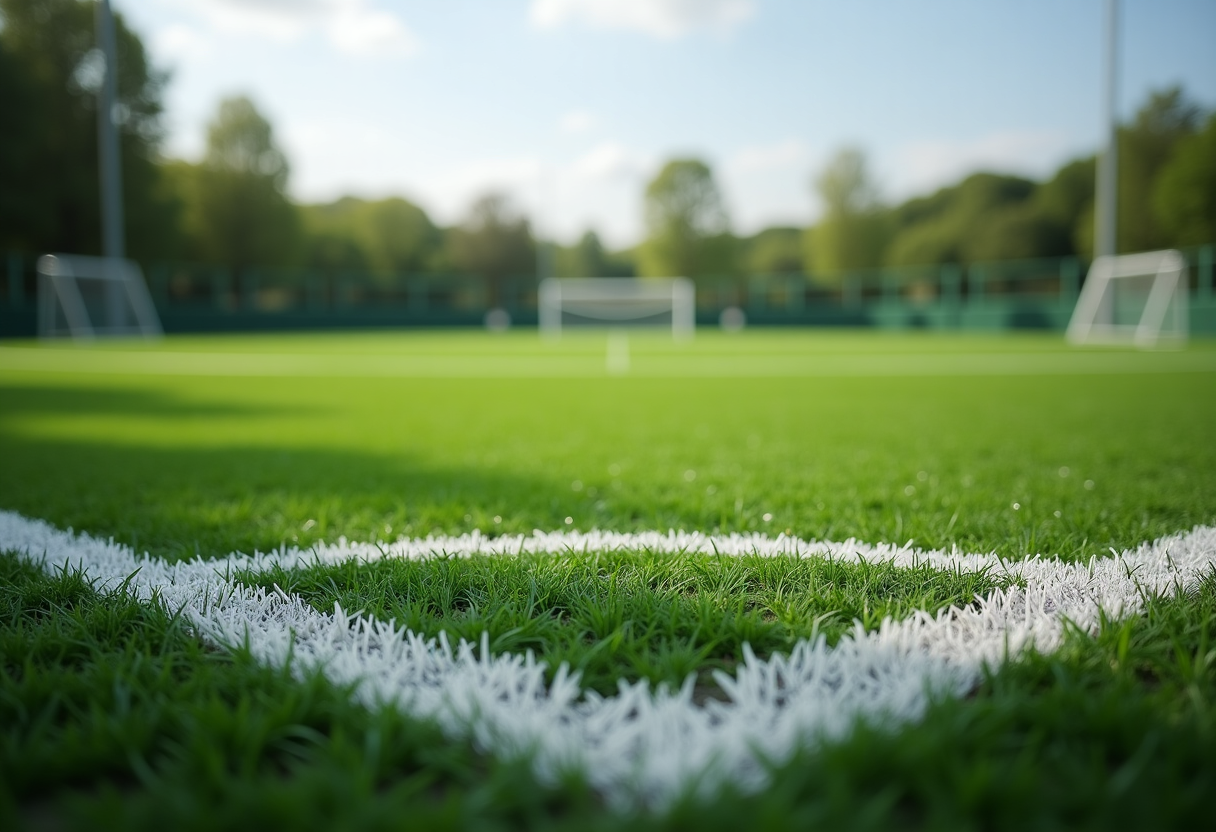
column 617, row 302
column 1138, row 299
column 86, row 297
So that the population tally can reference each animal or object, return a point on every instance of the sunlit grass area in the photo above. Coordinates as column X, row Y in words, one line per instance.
column 1010, row 444
column 1067, row 463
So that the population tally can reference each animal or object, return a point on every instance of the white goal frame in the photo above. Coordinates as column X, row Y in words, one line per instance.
column 1164, row 319
column 127, row 307
column 617, row 302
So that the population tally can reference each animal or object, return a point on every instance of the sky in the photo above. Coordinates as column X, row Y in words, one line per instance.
column 571, row 106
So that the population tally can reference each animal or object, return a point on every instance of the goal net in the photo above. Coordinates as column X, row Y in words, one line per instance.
column 617, row 302
column 86, row 297
column 1138, row 299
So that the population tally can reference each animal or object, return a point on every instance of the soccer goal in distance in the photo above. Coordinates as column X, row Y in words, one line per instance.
column 1136, row 299
column 617, row 302
column 87, row 297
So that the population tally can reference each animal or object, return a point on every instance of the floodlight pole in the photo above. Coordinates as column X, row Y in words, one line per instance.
column 1106, row 198
column 112, row 243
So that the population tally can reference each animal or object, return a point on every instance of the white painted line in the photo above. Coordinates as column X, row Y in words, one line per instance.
column 640, row 745
column 108, row 361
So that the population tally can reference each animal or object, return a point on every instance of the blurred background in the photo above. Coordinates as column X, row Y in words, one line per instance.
column 343, row 163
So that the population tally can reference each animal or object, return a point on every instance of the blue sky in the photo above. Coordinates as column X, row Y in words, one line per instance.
column 570, row 106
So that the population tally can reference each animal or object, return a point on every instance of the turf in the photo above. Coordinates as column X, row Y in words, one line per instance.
column 632, row 615
column 1068, row 464
column 116, row 716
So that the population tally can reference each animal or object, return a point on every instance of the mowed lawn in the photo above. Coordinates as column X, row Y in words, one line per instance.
column 205, row 446
column 251, row 442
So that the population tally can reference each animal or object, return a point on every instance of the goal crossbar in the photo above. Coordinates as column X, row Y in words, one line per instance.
column 617, row 301
column 117, row 302
column 1163, row 316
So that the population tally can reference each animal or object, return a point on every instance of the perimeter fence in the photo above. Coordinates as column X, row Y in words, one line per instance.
column 1013, row 294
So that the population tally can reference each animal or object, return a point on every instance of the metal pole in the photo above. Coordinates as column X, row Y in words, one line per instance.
column 1106, row 198
column 107, row 138
column 112, row 242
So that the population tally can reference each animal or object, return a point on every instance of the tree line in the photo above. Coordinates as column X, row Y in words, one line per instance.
column 1166, row 198
column 231, row 208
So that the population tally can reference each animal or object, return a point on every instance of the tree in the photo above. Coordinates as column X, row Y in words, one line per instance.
column 389, row 237
column 1068, row 200
column 49, row 73
column 589, row 257
column 987, row 216
column 1018, row 232
column 494, row 242
column 1184, row 197
column 24, row 218
column 775, row 250
column 854, row 230
column 1145, row 146
column 399, row 236
column 687, row 229
column 238, row 211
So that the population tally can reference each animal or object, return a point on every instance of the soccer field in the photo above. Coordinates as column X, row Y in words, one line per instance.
column 933, row 465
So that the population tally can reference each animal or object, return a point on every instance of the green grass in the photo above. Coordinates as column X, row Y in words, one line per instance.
column 631, row 615
column 211, row 464
column 114, row 715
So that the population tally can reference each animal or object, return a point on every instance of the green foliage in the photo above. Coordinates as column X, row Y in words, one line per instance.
column 687, row 229
column 388, row 237
column 855, row 228
column 22, row 218
column 1145, row 147
column 1184, row 196
column 990, row 216
column 1067, row 200
column 987, row 216
column 238, row 213
column 775, row 250
column 589, row 258
column 494, row 242
column 48, row 159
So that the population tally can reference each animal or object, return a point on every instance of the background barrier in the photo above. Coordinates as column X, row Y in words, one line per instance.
column 1018, row 294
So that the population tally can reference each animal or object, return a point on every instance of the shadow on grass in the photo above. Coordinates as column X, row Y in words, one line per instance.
column 178, row 502
column 23, row 400
column 187, row 499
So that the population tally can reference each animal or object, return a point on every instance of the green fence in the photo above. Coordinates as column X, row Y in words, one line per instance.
column 1020, row 294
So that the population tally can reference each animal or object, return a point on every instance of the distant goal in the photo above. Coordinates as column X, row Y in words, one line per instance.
column 87, row 297
column 617, row 302
column 1136, row 299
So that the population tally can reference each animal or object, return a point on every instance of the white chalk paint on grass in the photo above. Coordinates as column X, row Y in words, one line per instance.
column 641, row 745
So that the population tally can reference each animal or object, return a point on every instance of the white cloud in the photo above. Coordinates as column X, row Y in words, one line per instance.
column 578, row 121
column 666, row 19
column 178, row 41
column 600, row 189
column 356, row 30
column 352, row 27
column 922, row 166
column 789, row 154
column 610, row 160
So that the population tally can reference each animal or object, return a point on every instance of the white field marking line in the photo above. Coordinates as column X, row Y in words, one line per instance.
column 641, row 746
column 160, row 362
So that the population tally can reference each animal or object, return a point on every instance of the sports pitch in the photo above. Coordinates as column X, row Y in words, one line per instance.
column 999, row 447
